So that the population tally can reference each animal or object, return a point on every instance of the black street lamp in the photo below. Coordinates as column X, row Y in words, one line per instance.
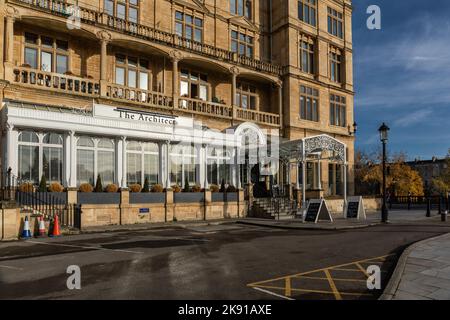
column 384, row 129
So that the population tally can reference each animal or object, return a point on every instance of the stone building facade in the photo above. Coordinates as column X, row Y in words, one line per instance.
column 283, row 66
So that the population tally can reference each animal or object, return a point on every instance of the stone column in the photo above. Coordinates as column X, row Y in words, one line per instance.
column 176, row 56
column 234, row 75
column 205, row 167
column 73, row 161
column 167, row 162
column 104, row 38
column 124, row 162
column 319, row 175
column 280, row 105
column 9, row 39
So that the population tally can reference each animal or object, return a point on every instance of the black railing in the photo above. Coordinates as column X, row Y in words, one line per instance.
column 35, row 202
column 418, row 202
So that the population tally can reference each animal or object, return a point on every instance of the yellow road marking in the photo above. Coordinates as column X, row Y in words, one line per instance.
column 336, row 293
column 335, row 279
column 362, row 269
column 318, row 270
column 343, row 269
column 315, row 291
column 288, row 289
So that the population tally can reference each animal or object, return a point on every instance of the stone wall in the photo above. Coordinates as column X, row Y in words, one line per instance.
column 93, row 215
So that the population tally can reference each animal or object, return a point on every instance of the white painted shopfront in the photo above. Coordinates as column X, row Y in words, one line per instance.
column 121, row 145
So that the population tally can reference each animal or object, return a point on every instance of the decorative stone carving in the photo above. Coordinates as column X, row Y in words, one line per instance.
column 235, row 70
column 11, row 12
column 176, row 55
column 104, row 36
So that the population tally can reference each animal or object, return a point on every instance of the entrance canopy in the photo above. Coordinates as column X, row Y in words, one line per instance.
column 322, row 146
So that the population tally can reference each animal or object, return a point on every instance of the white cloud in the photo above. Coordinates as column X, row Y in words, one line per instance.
column 413, row 118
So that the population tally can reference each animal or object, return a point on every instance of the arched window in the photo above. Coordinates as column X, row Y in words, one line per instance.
column 142, row 162
column 95, row 157
column 29, row 156
column 40, row 155
column 52, row 157
column 182, row 165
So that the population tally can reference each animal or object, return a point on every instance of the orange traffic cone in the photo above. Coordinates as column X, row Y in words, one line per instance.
column 55, row 231
column 41, row 227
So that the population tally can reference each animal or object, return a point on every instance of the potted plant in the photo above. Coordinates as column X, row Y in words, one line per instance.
column 157, row 188
column 146, row 187
column 86, row 188
column 112, row 188
column 136, row 188
column 56, row 187
column 98, row 185
column 43, row 184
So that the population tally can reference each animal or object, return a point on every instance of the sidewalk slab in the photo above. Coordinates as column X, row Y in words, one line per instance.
column 422, row 273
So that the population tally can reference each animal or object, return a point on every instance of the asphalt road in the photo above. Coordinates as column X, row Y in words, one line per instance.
column 210, row 262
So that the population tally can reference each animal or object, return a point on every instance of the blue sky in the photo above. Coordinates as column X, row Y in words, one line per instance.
column 402, row 76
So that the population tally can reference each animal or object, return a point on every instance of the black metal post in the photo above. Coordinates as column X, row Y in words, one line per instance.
column 384, row 209
column 428, row 207
column 440, row 205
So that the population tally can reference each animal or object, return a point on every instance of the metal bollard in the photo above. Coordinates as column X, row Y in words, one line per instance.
column 428, row 208
column 440, row 206
column 444, row 216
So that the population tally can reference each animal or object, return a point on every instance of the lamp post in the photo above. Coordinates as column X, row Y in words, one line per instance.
column 384, row 129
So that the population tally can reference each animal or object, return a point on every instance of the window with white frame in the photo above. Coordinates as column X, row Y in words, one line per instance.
column 183, row 165
column 218, row 167
column 40, row 154
column 46, row 53
column 132, row 72
column 189, row 26
column 123, row 9
column 194, row 85
column 243, row 43
column 338, row 111
column 95, row 156
column 242, row 8
column 142, row 162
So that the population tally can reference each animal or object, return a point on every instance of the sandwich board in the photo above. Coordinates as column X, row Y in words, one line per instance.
column 317, row 211
column 355, row 209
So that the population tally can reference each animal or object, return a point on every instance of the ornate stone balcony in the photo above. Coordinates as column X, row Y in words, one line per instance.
column 55, row 82
column 68, row 84
column 90, row 16
column 138, row 96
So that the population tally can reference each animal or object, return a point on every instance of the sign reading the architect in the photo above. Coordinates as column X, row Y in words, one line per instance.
column 134, row 115
column 128, row 114
column 355, row 208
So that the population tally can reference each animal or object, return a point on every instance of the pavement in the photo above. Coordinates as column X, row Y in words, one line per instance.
column 423, row 272
column 218, row 261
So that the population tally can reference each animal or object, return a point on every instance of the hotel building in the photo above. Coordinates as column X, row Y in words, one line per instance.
column 116, row 87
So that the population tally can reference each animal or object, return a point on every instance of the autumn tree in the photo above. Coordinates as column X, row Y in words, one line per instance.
column 441, row 185
column 401, row 179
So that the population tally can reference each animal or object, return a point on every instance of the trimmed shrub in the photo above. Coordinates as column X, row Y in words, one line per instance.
column 99, row 185
column 136, row 188
column 146, row 186
column 43, row 184
column 157, row 188
column 196, row 188
column 223, row 188
column 56, row 187
column 26, row 187
column 186, row 185
column 176, row 188
column 112, row 188
column 231, row 189
column 214, row 188
column 86, row 188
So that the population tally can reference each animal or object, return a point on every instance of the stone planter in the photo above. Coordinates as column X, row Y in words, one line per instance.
column 98, row 198
column 147, row 197
column 189, row 197
column 224, row 197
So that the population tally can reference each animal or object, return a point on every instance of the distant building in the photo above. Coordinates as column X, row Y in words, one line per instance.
column 429, row 169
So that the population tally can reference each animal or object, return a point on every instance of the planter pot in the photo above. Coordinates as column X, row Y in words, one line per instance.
column 189, row 197
column 147, row 197
column 98, row 198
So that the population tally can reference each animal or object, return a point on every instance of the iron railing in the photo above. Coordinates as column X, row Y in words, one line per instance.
column 35, row 202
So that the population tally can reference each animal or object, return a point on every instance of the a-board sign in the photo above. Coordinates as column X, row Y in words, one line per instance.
column 317, row 211
column 355, row 208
